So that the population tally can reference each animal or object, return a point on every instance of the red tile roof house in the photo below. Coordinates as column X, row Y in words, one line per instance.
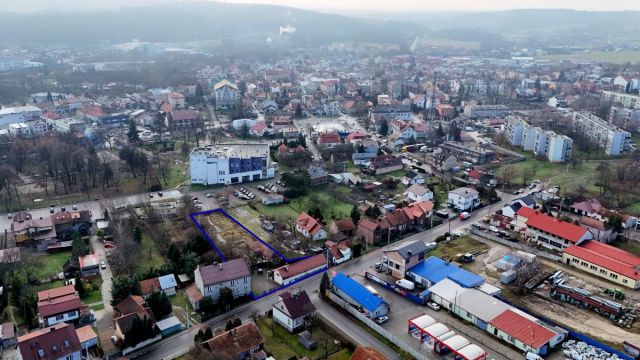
column 132, row 307
column 555, row 234
column 240, row 343
column 185, row 119
column 419, row 212
column 292, row 311
column 589, row 207
column 233, row 274
column 345, row 226
column 287, row 274
column 310, row 227
column 523, row 333
column 338, row 253
column 605, row 261
column 55, row 342
column 258, row 129
column 62, row 304
column 369, row 231
column 329, row 140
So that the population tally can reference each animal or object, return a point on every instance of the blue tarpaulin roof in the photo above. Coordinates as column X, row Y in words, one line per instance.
column 357, row 292
column 435, row 270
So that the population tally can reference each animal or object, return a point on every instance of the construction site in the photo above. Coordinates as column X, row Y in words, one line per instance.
column 567, row 299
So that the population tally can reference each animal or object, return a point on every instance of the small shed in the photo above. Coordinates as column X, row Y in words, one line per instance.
column 169, row 326
column 7, row 335
column 168, row 284
column 89, row 265
column 306, row 340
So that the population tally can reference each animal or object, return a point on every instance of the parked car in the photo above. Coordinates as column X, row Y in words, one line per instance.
column 103, row 265
column 494, row 229
column 75, row 207
column 382, row 319
column 108, row 245
column 443, row 214
column 464, row 215
column 160, row 193
column 209, row 195
column 433, row 306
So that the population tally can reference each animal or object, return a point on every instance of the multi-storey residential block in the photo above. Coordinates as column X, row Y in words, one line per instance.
column 485, row 111
column 610, row 138
column 230, row 164
column 626, row 100
column 543, row 143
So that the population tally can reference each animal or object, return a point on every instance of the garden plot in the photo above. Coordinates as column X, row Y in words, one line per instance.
column 230, row 238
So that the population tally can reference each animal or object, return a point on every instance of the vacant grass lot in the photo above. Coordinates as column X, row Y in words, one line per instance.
column 51, row 264
column 149, row 257
column 619, row 57
column 461, row 245
column 330, row 206
column 283, row 345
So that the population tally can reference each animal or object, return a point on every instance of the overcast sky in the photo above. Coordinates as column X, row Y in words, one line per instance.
column 337, row 5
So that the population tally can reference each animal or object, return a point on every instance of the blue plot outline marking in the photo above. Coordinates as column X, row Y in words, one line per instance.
column 256, row 237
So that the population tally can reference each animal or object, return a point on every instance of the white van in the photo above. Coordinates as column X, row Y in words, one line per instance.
column 406, row 284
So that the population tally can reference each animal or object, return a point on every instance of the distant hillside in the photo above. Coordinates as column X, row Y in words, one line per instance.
column 195, row 21
column 524, row 23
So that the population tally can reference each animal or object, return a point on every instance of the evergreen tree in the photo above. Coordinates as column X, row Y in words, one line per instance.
column 302, row 140
column 298, row 113
column 226, row 298
column 123, row 286
column 439, row 131
column 355, row 214
column 384, row 128
column 137, row 234
column 132, row 134
column 229, row 325
column 79, row 286
column 325, row 284
column 159, row 304
column 237, row 322
column 207, row 306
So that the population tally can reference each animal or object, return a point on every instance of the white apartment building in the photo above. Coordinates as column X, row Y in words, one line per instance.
column 626, row 100
column 29, row 129
column 610, row 138
column 230, row 164
column 559, row 148
column 18, row 114
column 543, row 143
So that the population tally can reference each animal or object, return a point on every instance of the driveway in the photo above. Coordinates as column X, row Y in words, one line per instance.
column 103, row 317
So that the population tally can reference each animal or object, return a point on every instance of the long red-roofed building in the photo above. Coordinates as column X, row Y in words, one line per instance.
column 605, row 261
column 522, row 332
column 554, row 233
column 288, row 274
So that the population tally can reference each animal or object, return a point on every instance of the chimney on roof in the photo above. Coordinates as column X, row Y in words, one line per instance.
column 220, row 266
column 52, row 329
column 409, row 253
column 286, row 268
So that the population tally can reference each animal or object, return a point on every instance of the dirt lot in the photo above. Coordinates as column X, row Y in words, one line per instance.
column 230, row 238
column 584, row 321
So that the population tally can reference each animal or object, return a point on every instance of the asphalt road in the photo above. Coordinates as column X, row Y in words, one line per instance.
column 181, row 343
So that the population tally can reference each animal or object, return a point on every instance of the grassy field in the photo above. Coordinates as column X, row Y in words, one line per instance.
column 448, row 43
column 51, row 264
column 95, row 295
column 564, row 175
column 50, row 285
column 461, row 245
column 619, row 57
column 149, row 256
column 284, row 345
column 633, row 209
column 97, row 307
column 398, row 173
column 330, row 206
column 177, row 174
